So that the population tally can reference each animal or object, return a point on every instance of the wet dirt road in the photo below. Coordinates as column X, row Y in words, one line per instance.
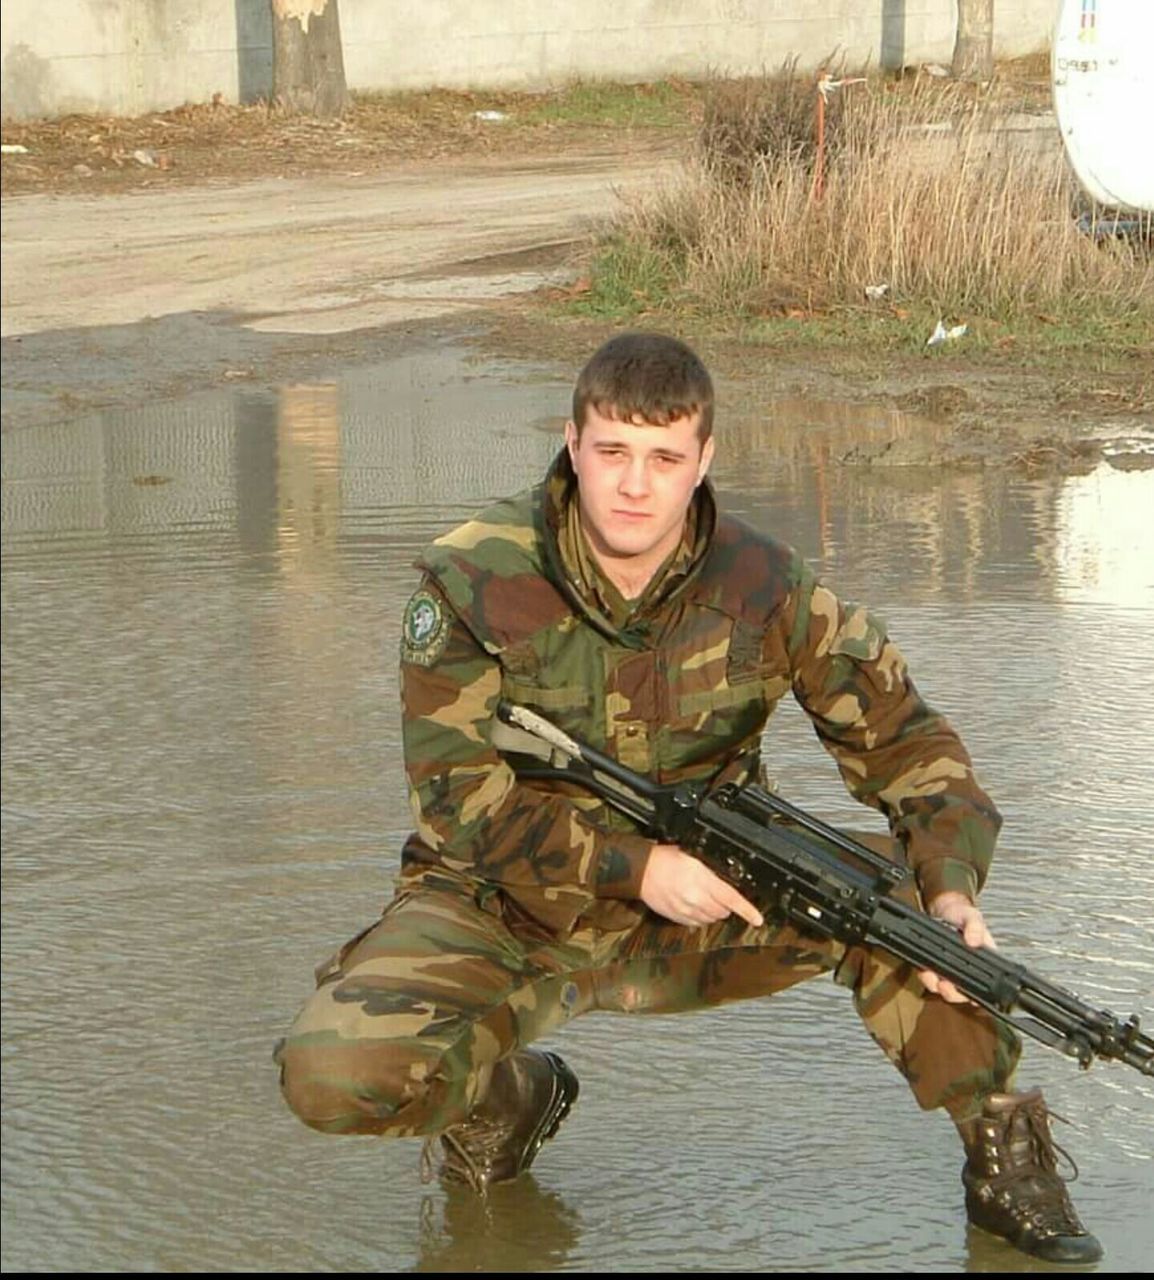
column 151, row 295
column 307, row 256
column 111, row 302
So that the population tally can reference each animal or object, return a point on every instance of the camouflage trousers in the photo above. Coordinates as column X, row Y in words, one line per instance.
column 409, row 1018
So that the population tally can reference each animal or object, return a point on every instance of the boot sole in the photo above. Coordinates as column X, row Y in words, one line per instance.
column 1061, row 1255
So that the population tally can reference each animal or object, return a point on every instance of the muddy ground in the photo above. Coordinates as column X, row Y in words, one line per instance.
column 181, row 252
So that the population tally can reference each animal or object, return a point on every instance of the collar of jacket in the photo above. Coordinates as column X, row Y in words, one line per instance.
column 559, row 492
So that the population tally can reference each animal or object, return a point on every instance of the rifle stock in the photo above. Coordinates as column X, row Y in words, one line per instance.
column 793, row 865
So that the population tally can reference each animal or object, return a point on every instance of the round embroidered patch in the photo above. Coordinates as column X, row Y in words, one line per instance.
column 423, row 631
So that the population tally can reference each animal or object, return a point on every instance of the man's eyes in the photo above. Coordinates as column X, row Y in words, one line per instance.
column 660, row 459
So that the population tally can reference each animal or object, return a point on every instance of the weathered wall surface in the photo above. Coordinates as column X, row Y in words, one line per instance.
column 123, row 57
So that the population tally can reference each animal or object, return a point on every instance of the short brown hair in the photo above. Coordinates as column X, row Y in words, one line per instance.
column 650, row 376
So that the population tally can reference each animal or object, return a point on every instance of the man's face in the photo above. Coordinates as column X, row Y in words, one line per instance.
column 636, row 482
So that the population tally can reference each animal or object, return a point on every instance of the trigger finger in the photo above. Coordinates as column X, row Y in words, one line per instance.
column 742, row 907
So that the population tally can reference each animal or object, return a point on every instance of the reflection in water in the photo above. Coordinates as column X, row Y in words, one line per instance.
column 308, row 476
column 287, row 464
column 518, row 1226
column 1104, row 538
column 203, row 795
column 1083, row 536
column 986, row 1254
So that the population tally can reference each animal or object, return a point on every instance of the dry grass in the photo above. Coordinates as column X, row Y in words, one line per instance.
column 928, row 188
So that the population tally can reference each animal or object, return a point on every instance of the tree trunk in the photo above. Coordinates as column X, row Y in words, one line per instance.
column 974, row 43
column 308, row 66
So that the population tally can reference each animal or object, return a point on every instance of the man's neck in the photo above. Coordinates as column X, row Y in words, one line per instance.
column 631, row 575
column 629, row 578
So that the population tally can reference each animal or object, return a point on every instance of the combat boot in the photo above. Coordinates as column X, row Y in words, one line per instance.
column 1013, row 1188
column 531, row 1092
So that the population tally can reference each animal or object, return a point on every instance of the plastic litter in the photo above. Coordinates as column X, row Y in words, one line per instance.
column 489, row 115
column 13, row 149
column 876, row 291
column 942, row 334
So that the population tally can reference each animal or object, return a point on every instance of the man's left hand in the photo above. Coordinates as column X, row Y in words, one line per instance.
column 956, row 909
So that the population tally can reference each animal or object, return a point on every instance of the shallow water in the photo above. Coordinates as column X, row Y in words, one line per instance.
column 202, row 796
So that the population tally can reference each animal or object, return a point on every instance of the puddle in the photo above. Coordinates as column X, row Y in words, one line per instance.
column 203, row 797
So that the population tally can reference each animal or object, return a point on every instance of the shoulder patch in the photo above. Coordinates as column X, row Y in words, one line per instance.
column 424, row 629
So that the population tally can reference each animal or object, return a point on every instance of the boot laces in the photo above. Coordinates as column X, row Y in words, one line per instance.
column 473, row 1143
column 1046, row 1149
column 1047, row 1208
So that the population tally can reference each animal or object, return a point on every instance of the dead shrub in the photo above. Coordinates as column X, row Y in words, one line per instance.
column 924, row 189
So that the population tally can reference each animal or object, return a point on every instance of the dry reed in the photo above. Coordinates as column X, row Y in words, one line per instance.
column 958, row 210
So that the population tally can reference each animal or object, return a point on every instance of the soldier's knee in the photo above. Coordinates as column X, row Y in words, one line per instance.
column 369, row 1087
column 344, row 1087
column 310, row 1098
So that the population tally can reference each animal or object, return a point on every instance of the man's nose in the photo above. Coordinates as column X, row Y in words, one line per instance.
column 635, row 478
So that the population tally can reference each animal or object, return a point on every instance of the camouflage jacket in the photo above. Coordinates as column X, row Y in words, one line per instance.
column 680, row 688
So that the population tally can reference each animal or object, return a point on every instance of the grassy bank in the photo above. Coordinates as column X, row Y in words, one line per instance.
column 919, row 201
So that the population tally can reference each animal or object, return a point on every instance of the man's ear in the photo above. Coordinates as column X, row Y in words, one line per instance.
column 571, row 441
column 706, row 459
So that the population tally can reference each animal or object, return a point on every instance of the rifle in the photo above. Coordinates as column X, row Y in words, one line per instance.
column 781, row 859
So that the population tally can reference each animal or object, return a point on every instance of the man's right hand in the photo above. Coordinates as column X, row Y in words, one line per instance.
column 683, row 889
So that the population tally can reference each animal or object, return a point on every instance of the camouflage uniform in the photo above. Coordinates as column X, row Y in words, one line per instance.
column 517, row 906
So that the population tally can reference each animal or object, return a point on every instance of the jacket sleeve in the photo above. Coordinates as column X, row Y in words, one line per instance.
column 894, row 751
column 470, row 810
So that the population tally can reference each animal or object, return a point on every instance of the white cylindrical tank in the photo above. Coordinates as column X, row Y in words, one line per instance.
column 1102, row 70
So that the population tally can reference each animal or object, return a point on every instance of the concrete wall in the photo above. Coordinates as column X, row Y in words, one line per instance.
column 123, row 57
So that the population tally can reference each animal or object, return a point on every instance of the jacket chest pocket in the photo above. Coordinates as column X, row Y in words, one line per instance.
column 549, row 675
column 733, row 676
column 715, row 725
column 528, row 693
column 764, row 687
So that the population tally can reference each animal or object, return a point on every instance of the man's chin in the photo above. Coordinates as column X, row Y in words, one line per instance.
column 630, row 548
